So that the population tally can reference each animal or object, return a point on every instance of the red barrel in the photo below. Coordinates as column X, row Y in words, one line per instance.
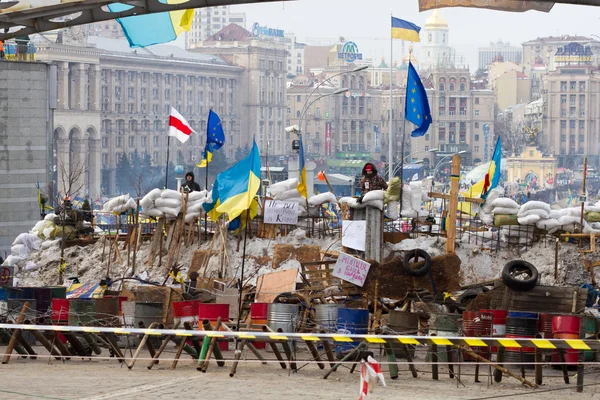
column 545, row 325
column 212, row 312
column 498, row 324
column 60, row 311
column 259, row 314
column 566, row 327
column 186, row 311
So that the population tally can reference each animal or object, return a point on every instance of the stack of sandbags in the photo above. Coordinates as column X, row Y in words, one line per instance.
column 393, row 191
column 321, row 198
column 374, row 198
column 148, row 204
column 119, row 204
column 518, row 234
column 532, row 212
column 481, row 238
column 277, row 188
column 169, row 202
column 195, row 200
column 505, row 211
column 412, row 198
column 485, row 211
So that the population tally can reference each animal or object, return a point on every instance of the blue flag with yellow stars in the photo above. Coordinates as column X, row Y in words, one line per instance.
column 416, row 106
column 214, row 131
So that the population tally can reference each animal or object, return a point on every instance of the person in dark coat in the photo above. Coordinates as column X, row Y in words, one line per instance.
column 370, row 180
column 190, row 185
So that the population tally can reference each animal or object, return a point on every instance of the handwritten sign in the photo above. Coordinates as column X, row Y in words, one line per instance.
column 351, row 269
column 281, row 212
column 354, row 234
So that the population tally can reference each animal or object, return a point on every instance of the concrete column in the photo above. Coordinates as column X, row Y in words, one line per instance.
column 93, row 168
column 79, row 86
column 63, row 85
column 94, row 83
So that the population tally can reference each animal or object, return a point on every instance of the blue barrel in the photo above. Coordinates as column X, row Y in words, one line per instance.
column 351, row 321
column 522, row 314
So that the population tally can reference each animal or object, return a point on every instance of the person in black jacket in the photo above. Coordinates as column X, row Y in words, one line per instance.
column 189, row 184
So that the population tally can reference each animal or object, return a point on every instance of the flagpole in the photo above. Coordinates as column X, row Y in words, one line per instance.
column 391, row 135
column 403, row 140
column 206, row 188
column 168, row 151
column 242, row 275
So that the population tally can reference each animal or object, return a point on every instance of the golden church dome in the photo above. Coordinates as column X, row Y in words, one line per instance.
column 435, row 21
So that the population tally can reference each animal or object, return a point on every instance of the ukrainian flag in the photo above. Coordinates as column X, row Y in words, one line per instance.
column 302, row 186
column 405, row 30
column 492, row 178
column 235, row 189
column 207, row 155
column 146, row 30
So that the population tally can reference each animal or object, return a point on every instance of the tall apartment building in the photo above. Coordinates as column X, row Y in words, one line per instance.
column 499, row 52
column 262, row 88
column 210, row 20
column 463, row 118
column 571, row 122
column 113, row 100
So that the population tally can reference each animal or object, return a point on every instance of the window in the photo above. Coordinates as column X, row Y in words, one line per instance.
column 462, row 87
column 477, row 149
column 572, row 85
column 117, row 108
column 298, row 98
column 297, row 114
column 582, row 86
column 452, row 86
column 563, row 99
column 131, row 141
column 105, row 142
column 130, row 108
column 572, row 124
column 155, row 141
column 563, row 86
column 476, row 100
column 118, row 141
column 442, row 102
column 476, row 137
column 105, row 159
column 581, row 138
column 476, row 113
column 427, row 139
column 476, row 125
column 563, row 124
column 442, row 87
column 582, row 99
column 573, row 99
column 155, row 157
column 442, row 112
column 130, row 93
column 155, row 94
column 563, row 138
column 581, row 124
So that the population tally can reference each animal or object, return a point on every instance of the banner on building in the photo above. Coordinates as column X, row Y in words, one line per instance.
column 502, row 5
column 376, row 129
column 328, row 138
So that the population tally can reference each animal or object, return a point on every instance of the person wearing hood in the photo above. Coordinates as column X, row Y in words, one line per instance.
column 370, row 180
column 190, row 185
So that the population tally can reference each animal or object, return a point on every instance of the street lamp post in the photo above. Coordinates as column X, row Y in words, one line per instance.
column 442, row 162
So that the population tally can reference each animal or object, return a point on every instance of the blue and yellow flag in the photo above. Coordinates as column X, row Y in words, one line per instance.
column 214, row 131
column 416, row 107
column 207, row 156
column 302, row 186
column 405, row 30
column 492, row 178
column 146, row 30
column 235, row 189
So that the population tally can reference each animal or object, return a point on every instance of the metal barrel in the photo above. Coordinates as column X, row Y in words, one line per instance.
column 449, row 324
column 326, row 316
column 350, row 321
column 403, row 323
column 521, row 325
column 128, row 311
column 148, row 312
column 107, row 311
column 284, row 316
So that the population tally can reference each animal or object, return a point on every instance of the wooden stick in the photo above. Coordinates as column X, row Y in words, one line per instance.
column 238, row 355
column 162, row 347
column 15, row 335
column 314, row 352
column 141, row 346
column 249, row 345
column 451, row 225
column 468, row 350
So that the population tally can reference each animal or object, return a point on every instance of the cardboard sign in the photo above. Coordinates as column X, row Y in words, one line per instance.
column 351, row 269
column 281, row 212
column 354, row 234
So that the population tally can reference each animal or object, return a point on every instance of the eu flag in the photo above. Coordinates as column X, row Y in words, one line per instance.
column 214, row 131
column 416, row 108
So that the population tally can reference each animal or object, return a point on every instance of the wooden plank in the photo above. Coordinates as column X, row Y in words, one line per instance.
column 451, row 225
column 444, row 196
column 269, row 286
column 374, row 234
column 539, row 299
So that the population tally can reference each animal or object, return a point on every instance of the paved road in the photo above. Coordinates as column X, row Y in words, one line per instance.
column 105, row 379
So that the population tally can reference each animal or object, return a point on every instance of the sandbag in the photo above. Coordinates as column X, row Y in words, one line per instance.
column 393, row 210
column 37, row 228
column 529, row 219
column 121, row 209
column 153, row 212
column 47, row 232
column 288, row 194
column 147, row 203
column 494, row 194
column 409, row 213
column 195, row 208
column 393, row 191
column 167, row 202
column 280, row 187
column 591, row 216
column 19, row 250
column 190, row 217
column 556, row 214
column 535, row 205
column 569, row 219
column 536, row 211
column 115, row 202
column 415, row 198
column 505, row 202
column 153, row 194
column 321, row 198
column 170, row 194
column 170, row 211
column 547, row 224
column 406, row 198
column 11, row 261
column 373, row 195
column 374, row 203
column 194, row 196
column 131, row 204
column 50, row 217
column 505, row 210
column 486, row 218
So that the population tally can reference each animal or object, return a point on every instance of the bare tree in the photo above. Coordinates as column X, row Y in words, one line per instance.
column 512, row 132
column 72, row 177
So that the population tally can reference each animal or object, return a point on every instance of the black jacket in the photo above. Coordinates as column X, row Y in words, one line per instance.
column 191, row 186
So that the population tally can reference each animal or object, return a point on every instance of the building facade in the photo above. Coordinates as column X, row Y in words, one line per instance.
column 546, row 50
column 262, row 85
column 571, row 121
column 499, row 51
column 435, row 48
column 210, row 20
column 114, row 100
column 463, row 118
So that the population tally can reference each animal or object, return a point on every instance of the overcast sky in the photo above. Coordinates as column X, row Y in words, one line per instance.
column 368, row 23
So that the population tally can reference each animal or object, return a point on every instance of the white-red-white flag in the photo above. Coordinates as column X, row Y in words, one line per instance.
column 179, row 127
